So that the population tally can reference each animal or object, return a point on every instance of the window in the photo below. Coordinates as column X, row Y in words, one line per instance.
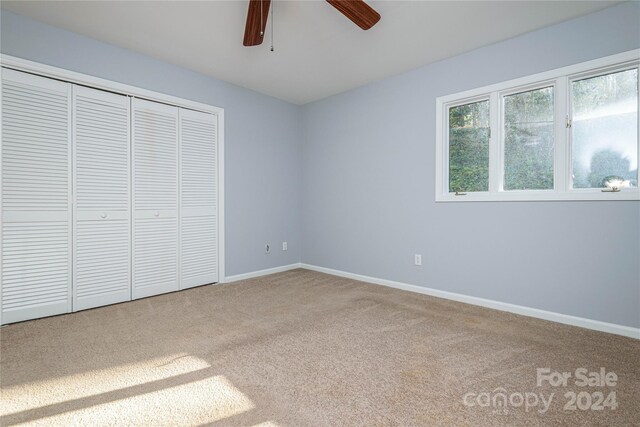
column 469, row 147
column 604, row 132
column 568, row 134
column 529, row 140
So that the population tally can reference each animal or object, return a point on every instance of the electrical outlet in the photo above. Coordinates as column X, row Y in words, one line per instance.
column 417, row 259
column 267, row 248
column 284, row 246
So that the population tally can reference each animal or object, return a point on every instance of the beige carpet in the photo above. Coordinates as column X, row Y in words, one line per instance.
column 302, row 349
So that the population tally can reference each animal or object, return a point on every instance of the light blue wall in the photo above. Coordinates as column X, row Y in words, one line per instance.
column 351, row 177
column 262, row 135
column 368, row 179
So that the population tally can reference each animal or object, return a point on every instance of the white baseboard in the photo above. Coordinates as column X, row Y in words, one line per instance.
column 259, row 273
column 596, row 325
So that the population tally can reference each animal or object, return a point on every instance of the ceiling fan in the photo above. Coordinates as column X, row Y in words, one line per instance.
column 363, row 15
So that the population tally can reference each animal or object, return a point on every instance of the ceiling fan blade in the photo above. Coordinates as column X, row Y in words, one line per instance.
column 363, row 15
column 256, row 22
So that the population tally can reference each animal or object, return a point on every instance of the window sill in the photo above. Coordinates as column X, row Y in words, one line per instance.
column 542, row 195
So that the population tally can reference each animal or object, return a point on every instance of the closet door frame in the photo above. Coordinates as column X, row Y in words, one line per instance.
column 19, row 64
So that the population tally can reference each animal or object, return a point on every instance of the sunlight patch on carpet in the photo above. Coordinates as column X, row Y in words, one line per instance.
column 194, row 403
column 64, row 388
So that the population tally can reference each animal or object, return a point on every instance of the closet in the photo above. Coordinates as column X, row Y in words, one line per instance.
column 105, row 197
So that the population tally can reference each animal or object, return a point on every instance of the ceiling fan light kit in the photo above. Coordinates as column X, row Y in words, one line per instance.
column 360, row 13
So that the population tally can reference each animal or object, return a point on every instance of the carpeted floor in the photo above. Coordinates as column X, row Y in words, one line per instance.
column 302, row 348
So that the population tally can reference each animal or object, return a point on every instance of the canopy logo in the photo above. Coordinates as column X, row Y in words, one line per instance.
column 501, row 401
column 601, row 399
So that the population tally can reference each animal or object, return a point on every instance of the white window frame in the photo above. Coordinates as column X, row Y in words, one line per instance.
column 560, row 79
column 466, row 101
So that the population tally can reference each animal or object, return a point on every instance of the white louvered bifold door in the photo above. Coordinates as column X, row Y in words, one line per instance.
column 102, row 199
column 36, row 197
column 198, row 198
column 155, row 198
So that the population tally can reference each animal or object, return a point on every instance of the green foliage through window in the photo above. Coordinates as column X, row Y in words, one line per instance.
column 469, row 147
column 529, row 140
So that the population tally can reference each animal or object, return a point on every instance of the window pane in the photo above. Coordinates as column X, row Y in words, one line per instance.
column 469, row 147
column 529, row 141
column 605, row 130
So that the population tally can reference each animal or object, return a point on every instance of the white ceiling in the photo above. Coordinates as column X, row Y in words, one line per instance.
column 318, row 52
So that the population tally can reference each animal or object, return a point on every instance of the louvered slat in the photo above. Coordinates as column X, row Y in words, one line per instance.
column 102, row 165
column 155, row 177
column 156, row 136
column 199, row 248
column 102, row 269
column 36, row 261
column 156, row 256
column 102, row 199
column 198, row 195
